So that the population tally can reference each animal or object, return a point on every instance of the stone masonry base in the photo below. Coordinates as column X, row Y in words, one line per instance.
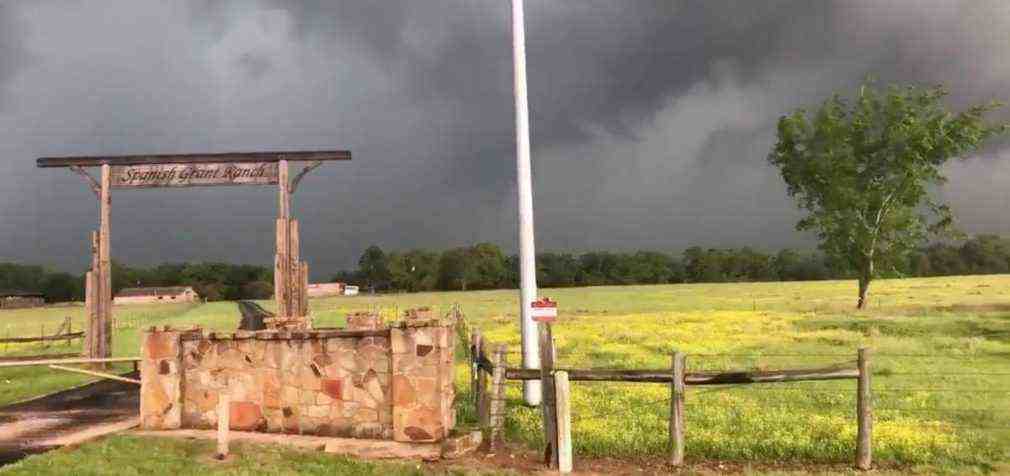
column 449, row 448
column 369, row 381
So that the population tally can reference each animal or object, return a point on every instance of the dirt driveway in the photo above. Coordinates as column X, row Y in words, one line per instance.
column 67, row 417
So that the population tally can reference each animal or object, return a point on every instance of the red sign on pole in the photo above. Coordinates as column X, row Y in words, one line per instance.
column 544, row 310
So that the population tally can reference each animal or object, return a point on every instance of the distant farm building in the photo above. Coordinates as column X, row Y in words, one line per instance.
column 152, row 295
column 325, row 289
column 14, row 299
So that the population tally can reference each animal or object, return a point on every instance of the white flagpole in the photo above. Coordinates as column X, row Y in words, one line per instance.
column 527, row 250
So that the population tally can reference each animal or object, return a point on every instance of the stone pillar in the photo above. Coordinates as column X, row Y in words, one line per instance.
column 160, row 379
column 423, row 381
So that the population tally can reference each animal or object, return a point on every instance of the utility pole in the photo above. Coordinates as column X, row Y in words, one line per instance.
column 527, row 250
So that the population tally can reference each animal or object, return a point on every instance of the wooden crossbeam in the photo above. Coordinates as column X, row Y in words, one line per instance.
column 227, row 157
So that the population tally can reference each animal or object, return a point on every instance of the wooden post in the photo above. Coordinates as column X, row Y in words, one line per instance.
column 474, row 366
column 497, row 407
column 484, row 401
column 280, row 269
column 223, row 424
column 279, row 285
column 283, row 184
column 70, row 330
column 105, row 263
column 677, row 411
column 864, row 410
column 294, row 277
column 96, row 300
column 548, row 405
column 563, row 392
column 91, row 304
column 282, row 262
column 293, row 288
column 293, row 244
column 305, row 290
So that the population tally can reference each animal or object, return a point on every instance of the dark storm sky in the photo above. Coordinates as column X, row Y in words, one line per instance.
column 651, row 119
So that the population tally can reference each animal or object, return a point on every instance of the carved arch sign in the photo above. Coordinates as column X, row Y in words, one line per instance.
column 193, row 170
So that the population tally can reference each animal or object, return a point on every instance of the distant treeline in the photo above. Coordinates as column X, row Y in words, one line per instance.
column 485, row 266
column 213, row 281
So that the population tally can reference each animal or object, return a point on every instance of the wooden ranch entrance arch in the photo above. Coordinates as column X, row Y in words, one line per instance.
column 192, row 170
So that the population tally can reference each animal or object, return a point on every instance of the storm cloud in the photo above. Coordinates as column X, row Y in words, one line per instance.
column 651, row 119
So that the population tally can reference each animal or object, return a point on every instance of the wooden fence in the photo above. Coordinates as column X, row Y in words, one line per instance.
column 63, row 333
column 556, row 409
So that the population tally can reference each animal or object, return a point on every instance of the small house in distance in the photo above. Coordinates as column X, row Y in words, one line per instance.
column 16, row 299
column 156, row 294
column 325, row 289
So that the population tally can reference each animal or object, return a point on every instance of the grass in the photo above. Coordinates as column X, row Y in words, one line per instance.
column 941, row 373
column 129, row 455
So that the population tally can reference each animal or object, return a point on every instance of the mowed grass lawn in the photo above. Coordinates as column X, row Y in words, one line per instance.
column 941, row 373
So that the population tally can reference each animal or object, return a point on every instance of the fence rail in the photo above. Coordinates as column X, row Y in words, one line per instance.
column 49, row 362
column 54, row 337
column 63, row 333
column 692, row 378
column 556, row 409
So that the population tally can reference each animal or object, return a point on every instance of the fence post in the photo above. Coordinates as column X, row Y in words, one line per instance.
column 548, row 404
column 474, row 366
column 677, row 410
column 563, row 392
column 864, row 409
column 483, row 400
column 223, row 424
column 497, row 407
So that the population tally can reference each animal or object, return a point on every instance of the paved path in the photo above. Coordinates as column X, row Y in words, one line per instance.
column 67, row 417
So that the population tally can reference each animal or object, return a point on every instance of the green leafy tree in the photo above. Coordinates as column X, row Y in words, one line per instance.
column 704, row 266
column 257, row 290
column 863, row 171
column 61, row 287
column 986, row 254
column 557, row 270
column 489, row 266
column 415, row 270
column 456, row 269
column 648, row 267
column 373, row 267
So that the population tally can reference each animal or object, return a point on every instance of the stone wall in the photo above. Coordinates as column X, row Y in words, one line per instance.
column 366, row 381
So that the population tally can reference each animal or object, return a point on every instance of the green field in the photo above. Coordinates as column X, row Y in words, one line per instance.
column 941, row 373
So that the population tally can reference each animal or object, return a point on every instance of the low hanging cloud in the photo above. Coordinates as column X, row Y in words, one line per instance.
column 651, row 119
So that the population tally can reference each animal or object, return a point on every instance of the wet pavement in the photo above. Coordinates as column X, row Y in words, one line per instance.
column 48, row 422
